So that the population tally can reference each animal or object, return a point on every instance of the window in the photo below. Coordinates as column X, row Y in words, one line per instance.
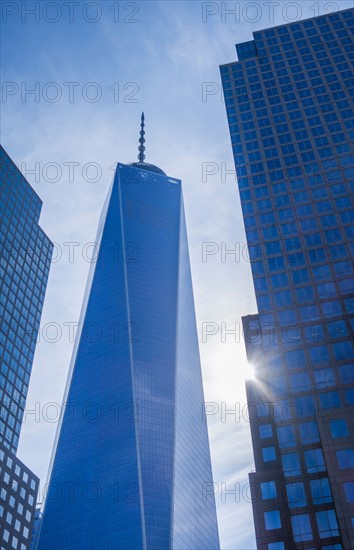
column 327, row 524
column 345, row 458
column 331, row 309
column 283, row 298
column 287, row 316
column 276, row 546
column 305, row 405
column 268, row 490
column 349, row 491
column 342, row 268
column 260, row 284
column 276, row 264
column 304, row 294
column 295, row 493
column 301, row 527
column 291, row 335
column 272, row 520
column 309, row 432
column 295, row 359
column 263, row 303
column 268, row 454
column 265, row 431
column 319, row 354
column 286, row 436
column 296, row 259
column 349, row 396
column 270, row 232
column 321, row 272
column 279, row 280
column 291, row 464
column 330, row 400
column 313, row 333
column 309, row 313
column 314, row 461
column 278, row 385
column 338, row 428
column 343, row 350
column 320, row 490
column 346, row 373
column 300, row 382
column 324, row 378
column 346, row 286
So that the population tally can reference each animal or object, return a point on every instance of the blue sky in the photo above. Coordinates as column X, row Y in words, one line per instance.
column 163, row 58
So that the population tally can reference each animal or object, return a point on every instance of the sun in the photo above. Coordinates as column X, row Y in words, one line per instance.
column 249, row 371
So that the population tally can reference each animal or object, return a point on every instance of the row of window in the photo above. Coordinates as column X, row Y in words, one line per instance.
column 314, row 458
column 18, row 194
column 298, row 190
column 298, row 259
column 14, row 244
column 314, row 174
column 286, row 434
column 304, row 295
column 307, row 313
column 341, row 270
column 301, row 524
column 287, row 85
column 280, row 546
column 290, row 233
column 266, row 213
column 303, row 382
column 274, row 335
column 248, row 111
column 308, row 432
column 283, row 133
column 320, row 354
column 296, row 495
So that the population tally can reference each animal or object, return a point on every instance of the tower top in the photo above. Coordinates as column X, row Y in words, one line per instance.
column 141, row 155
column 141, row 148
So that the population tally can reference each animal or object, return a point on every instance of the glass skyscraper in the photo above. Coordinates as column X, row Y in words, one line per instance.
column 290, row 112
column 132, row 454
column 24, row 266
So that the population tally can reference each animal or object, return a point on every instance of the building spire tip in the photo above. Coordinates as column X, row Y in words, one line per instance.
column 141, row 148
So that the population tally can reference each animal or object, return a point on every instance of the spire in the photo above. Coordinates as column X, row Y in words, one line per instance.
column 141, row 164
column 141, row 155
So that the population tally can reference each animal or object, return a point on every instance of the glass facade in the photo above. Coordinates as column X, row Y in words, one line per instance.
column 24, row 266
column 36, row 524
column 290, row 112
column 132, row 453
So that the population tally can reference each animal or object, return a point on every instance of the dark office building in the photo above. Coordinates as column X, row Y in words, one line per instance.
column 24, row 266
column 290, row 112
column 132, row 453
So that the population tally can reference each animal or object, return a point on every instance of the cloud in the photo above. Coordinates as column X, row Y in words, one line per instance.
column 170, row 53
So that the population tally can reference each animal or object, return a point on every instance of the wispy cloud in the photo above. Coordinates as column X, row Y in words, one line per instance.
column 170, row 54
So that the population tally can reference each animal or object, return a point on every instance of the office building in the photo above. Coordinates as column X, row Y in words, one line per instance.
column 290, row 113
column 24, row 266
column 132, row 454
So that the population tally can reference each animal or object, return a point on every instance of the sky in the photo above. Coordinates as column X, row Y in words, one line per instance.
column 75, row 78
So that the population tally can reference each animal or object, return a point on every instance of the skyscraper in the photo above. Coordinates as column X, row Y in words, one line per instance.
column 25, row 260
column 132, row 454
column 290, row 113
